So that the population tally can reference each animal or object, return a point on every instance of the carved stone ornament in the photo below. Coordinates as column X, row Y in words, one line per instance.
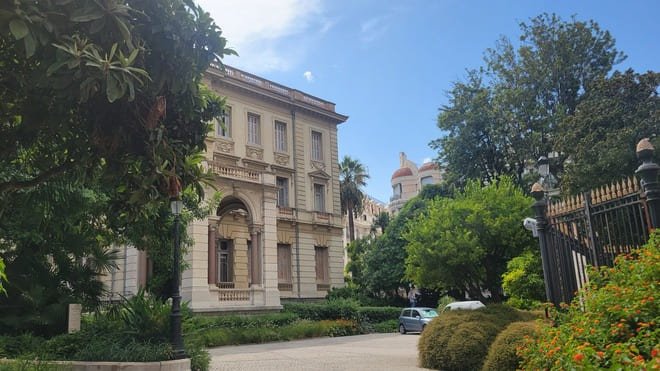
column 224, row 146
column 254, row 152
column 318, row 165
column 282, row 159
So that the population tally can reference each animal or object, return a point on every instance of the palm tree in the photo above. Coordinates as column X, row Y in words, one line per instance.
column 352, row 177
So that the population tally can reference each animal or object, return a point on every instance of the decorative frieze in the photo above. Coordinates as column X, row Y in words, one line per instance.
column 254, row 152
column 224, row 146
column 318, row 165
column 282, row 158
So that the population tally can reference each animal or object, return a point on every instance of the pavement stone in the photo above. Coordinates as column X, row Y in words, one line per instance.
column 361, row 352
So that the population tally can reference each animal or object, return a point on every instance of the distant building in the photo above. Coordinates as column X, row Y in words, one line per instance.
column 408, row 180
column 277, row 232
column 364, row 222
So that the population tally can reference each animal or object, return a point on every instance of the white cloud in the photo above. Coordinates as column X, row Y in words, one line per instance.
column 373, row 28
column 268, row 35
column 309, row 76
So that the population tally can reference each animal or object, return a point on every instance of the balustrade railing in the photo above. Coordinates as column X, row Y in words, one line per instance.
column 235, row 172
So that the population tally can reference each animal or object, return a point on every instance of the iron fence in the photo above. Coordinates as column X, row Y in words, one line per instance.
column 592, row 228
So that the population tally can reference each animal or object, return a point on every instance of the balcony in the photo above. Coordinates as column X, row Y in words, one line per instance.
column 322, row 218
column 234, row 172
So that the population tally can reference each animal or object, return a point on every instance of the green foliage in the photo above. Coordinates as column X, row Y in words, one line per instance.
column 384, row 268
column 13, row 346
column 3, row 276
column 502, row 353
column 507, row 113
column 32, row 365
column 329, row 310
column 459, row 340
column 219, row 336
column 275, row 320
column 94, row 127
column 613, row 323
column 388, row 326
column 612, row 116
column 464, row 243
column 442, row 303
column 378, row 314
column 523, row 280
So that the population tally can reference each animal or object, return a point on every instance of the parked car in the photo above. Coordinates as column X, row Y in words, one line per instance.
column 415, row 319
column 464, row 305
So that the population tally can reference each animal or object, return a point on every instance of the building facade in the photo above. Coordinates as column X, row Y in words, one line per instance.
column 408, row 180
column 277, row 232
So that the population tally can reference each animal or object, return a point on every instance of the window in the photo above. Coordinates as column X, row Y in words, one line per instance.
column 284, row 267
column 223, row 127
column 280, row 136
column 427, row 180
column 321, row 257
column 282, row 192
column 397, row 189
column 317, row 146
column 254, row 128
column 225, row 264
column 319, row 197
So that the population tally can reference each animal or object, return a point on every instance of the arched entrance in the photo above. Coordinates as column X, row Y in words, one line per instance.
column 234, row 261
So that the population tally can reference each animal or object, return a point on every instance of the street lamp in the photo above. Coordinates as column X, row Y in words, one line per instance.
column 175, row 316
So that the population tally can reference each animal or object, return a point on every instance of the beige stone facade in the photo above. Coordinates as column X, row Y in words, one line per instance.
column 277, row 232
column 408, row 180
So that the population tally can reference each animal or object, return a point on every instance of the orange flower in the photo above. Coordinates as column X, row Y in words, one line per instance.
column 600, row 354
column 578, row 357
column 654, row 353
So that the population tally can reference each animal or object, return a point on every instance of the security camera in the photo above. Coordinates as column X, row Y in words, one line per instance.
column 530, row 225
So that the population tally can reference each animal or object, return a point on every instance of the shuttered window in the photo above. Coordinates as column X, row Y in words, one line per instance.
column 284, row 266
column 322, row 274
column 254, row 128
column 280, row 136
column 317, row 146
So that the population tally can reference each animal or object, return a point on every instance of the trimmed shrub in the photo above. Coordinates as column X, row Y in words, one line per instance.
column 613, row 323
column 274, row 320
column 502, row 353
column 459, row 340
column 329, row 310
column 378, row 314
column 24, row 344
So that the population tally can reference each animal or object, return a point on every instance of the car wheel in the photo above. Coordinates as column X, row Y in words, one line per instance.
column 402, row 329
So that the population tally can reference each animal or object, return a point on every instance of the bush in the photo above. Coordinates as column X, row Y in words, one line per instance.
column 330, row 310
column 386, row 326
column 613, row 323
column 459, row 340
column 14, row 346
column 443, row 301
column 524, row 304
column 502, row 353
column 378, row 314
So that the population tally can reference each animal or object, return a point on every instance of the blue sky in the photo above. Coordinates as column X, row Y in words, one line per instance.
column 389, row 64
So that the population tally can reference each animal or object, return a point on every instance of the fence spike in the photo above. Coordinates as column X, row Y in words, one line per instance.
column 620, row 189
column 635, row 183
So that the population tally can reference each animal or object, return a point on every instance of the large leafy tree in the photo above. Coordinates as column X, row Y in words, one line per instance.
column 383, row 259
column 464, row 243
column 612, row 116
column 507, row 113
column 102, row 113
column 352, row 177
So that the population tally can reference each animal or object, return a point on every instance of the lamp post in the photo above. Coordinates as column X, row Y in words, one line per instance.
column 175, row 316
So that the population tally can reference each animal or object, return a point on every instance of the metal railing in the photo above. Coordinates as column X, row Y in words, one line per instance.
column 591, row 229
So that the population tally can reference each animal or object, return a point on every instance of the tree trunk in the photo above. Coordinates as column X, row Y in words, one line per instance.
column 351, row 228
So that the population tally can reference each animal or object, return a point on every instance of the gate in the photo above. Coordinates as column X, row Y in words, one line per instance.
column 591, row 229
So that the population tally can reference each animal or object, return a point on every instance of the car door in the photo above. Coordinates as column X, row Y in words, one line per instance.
column 415, row 321
column 406, row 319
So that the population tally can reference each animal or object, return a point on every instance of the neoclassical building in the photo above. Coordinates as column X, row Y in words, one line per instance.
column 277, row 232
column 408, row 180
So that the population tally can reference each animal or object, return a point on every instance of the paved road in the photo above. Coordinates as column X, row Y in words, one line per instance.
column 362, row 352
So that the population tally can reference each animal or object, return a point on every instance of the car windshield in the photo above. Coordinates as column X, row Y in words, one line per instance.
column 426, row 313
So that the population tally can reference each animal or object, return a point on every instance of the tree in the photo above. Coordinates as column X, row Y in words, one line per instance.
column 612, row 116
column 114, row 84
column 507, row 114
column 523, row 279
column 384, row 269
column 101, row 110
column 463, row 243
column 380, row 222
column 352, row 177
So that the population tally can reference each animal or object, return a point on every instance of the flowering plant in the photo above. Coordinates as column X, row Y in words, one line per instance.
column 612, row 323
